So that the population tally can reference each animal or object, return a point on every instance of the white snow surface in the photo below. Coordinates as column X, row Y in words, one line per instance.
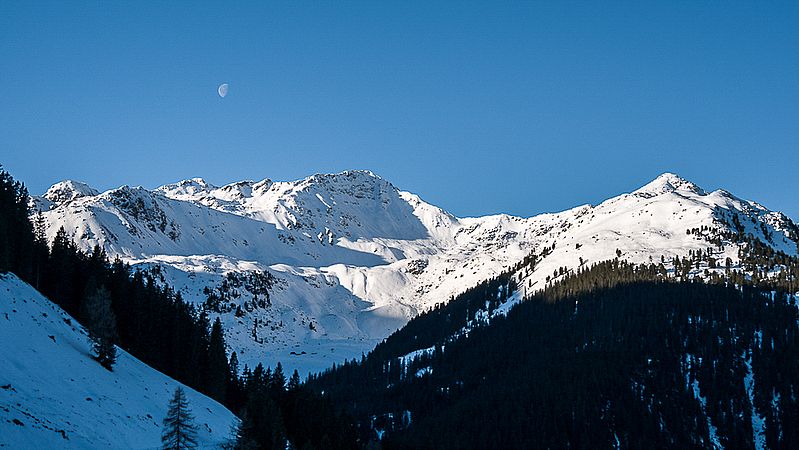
column 356, row 258
column 54, row 395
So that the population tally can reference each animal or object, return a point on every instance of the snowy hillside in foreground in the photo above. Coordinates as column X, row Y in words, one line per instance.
column 53, row 395
column 323, row 268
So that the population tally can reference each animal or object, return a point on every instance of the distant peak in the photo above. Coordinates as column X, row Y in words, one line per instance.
column 196, row 181
column 669, row 176
column 364, row 172
column 262, row 185
column 355, row 173
column 68, row 190
column 187, row 187
column 668, row 182
column 345, row 177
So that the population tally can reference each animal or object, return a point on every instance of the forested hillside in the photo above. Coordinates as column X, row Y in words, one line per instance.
column 616, row 355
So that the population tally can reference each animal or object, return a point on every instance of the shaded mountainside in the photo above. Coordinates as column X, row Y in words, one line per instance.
column 53, row 394
column 616, row 356
column 350, row 258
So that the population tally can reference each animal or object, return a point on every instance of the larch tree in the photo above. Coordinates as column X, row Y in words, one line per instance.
column 179, row 431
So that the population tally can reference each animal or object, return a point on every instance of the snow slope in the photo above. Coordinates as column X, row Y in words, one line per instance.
column 350, row 257
column 652, row 223
column 53, row 395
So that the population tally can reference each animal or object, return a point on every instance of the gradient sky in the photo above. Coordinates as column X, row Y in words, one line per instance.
column 478, row 107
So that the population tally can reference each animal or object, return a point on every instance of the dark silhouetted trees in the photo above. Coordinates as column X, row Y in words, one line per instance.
column 101, row 323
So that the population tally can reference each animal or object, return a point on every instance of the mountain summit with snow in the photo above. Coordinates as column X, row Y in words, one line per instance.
column 666, row 183
column 69, row 190
column 313, row 271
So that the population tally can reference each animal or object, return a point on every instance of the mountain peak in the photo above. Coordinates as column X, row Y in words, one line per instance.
column 186, row 188
column 68, row 190
column 200, row 181
column 348, row 180
column 668, row 182
column 345, row 175
column 196, row 181
column 364, row 172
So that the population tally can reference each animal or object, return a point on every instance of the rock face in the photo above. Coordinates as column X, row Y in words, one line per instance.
column 349, row 257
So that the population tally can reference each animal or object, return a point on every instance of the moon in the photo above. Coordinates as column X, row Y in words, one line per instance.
column 222, row 90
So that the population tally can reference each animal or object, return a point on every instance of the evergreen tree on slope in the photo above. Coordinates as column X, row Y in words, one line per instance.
column 218, row 369
column 101, row 323
column 179, row 430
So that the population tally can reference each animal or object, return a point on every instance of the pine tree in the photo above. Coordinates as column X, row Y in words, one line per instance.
column 179, row 430
column 234, row 365
column 101, row 323
column 294, row 381
column 6, row 225
column 218, row 370
column 278, row 379
column 40, row 248
column 60, row 276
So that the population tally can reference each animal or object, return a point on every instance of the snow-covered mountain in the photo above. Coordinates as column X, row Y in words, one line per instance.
column 668, row 217
column 54, row 395
column 317, row 270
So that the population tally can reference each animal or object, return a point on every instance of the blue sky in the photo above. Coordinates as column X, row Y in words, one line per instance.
column 479, row 107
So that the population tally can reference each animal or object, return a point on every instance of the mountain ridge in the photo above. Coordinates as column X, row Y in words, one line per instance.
column 355, row 257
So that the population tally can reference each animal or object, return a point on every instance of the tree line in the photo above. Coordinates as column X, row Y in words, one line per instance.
column 612, row 355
